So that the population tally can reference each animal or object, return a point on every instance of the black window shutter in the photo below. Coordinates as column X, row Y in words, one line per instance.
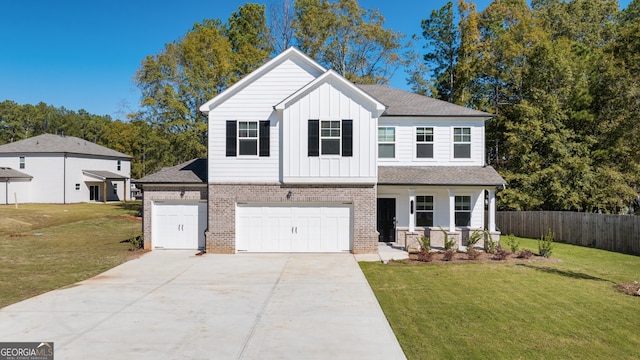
column 314, row 138
column 264, row 138
column 231, row 137
column 347, row 137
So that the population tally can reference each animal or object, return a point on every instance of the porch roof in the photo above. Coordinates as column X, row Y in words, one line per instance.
column 191, row 172
column 440, row 176
column 9, row 173
column 103, row 175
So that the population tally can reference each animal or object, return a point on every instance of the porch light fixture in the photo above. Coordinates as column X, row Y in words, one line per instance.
column 289, row 194
column 182, row 193
column 411, row 207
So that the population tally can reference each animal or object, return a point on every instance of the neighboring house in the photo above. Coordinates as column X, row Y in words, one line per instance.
column 302, row 160
column 62, row 169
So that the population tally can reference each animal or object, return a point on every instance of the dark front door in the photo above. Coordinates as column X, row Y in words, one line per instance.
column 94, row 193
column 387, row 220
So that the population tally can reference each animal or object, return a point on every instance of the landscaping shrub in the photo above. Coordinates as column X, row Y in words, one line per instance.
column 513, row 243
column 500, row 254
column 525, row 254
column 545, row 244
column 425, row 249
column 490, row 246
column 471, row 245
column 448, row 255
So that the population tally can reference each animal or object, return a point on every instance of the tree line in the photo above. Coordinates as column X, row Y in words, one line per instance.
column 561, row 78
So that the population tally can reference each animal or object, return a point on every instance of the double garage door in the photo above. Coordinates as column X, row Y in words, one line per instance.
column 178, row 225
column 276, row 228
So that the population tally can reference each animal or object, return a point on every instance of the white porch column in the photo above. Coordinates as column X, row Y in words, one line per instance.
column 492, row 210
column 412, row 210
column 452, row 210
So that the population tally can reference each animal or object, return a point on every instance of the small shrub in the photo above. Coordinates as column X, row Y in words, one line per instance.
column 425, row 249
column 490, row 246
column 448, row 255
column 513, row 243
column 525, row 254
column 472, row 253
column 449, row 241
column 501, row 254
column 545, row 244
column 473, row 240
column 136, row 242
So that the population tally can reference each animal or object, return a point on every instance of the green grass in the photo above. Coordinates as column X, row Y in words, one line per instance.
column 45, row 247
column 563, row 309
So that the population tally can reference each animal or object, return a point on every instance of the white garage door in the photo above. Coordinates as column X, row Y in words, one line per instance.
column 273, row 228
column 178, row 225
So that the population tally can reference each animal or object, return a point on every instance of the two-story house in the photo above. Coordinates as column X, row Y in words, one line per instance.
column 60, row 169
column 302, row 160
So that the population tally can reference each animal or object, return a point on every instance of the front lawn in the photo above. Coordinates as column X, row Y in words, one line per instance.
column 45, row 247
column 564, row 309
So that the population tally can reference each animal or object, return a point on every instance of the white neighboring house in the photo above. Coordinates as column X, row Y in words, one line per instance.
column 302, row 160
column 60, row 169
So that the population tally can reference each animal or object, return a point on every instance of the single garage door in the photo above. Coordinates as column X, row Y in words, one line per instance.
column 276, row 228
column 178, row 225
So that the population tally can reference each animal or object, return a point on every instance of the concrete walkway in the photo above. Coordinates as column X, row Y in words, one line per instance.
column 174, row 305
column 386, row 252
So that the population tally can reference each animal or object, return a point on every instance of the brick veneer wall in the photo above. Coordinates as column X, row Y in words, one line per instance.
column 223, row 198
column 152, row 193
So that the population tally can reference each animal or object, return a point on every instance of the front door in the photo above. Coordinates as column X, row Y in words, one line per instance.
column 94, row 192
column 387, row 220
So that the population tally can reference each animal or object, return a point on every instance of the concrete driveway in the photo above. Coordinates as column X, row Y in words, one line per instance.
column 174, row 305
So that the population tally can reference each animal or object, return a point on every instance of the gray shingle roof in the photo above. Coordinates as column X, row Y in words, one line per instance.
column 439, row 175
column 190, row 172
column 103, row 175
column 9, row 173
column 50, row 143
column 404, row 103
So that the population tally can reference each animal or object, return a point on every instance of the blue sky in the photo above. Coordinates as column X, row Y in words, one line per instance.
column 83, row 54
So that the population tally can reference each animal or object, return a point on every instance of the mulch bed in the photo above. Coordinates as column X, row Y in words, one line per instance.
column 630, row 288
column 463, row 258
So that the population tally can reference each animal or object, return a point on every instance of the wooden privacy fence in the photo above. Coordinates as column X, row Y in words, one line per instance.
column 620, row 233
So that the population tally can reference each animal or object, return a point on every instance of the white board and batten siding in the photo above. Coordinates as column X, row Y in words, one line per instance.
column 329, row 101
column 255, row 102
column 405, row 144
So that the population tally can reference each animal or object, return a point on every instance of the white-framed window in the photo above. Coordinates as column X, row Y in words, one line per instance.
column 463, row 210
column 115, row 188
column 424, row 210
column 424, row 142
column 386, row 142
column 462, row 143
column 77, row 186
column 330, row 137
column 119, row 165
column 22, row 162
column 248, row 138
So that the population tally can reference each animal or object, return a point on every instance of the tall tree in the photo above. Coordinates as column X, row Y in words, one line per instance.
column 348, row 39
column 280, row 22
column 443, row 42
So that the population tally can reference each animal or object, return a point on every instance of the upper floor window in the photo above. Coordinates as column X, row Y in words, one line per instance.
column 330, row 137
column 424, row 142
column 461, row 143
column 463, row 210
column 22, row 162
column 119, row 165
column 424, row 210
column 386, row 142
column 248, row 138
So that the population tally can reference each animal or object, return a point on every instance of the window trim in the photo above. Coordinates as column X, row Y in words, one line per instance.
column 330, row 137
column 418, row 142
column 432, row 210
column 240, row 138
column 22, row 162
column 456, row 210
column 460, row 141
column 395, row 139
